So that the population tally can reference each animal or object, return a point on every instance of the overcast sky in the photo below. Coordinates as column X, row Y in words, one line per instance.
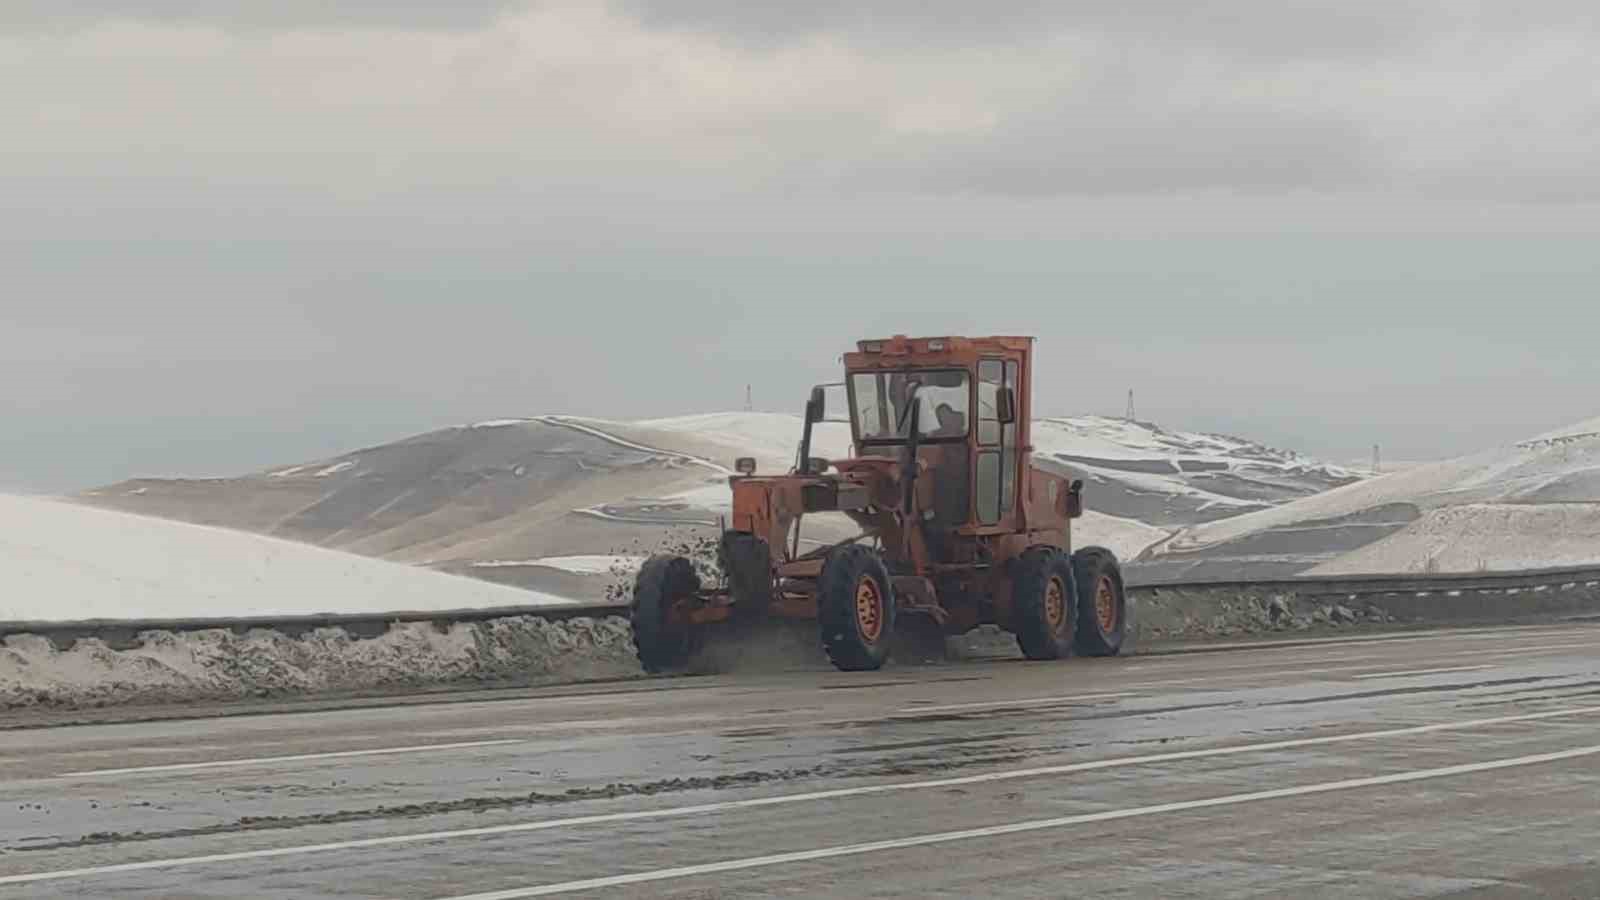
column 236, row 234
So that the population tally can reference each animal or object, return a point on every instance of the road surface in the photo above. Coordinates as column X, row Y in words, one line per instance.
column 1451, row 764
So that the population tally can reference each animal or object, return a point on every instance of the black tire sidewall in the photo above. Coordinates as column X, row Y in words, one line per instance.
column 1031, row 575
column 1089, row 565
column 661, row 582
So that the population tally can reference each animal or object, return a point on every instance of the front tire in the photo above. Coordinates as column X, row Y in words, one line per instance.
column 662, row 640
column 855, row 608
column 1042, row 604
column 1103, row 604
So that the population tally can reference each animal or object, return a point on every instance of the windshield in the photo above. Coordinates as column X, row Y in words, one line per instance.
column 878, row 401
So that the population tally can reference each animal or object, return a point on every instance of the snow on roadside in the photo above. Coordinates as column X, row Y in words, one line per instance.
column 64, row 562
column 219, row 665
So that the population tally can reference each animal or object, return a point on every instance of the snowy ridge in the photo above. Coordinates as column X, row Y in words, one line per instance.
column 1119, row 440
column 1131, row 439
column 1176, row 478
column 1144, row 481
column 572, row 488
column 1528, row 504
column 772, row 438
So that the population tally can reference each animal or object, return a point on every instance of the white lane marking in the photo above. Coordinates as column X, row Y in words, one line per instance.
column 946, row 837
column 1414, row 672
column 1520, row 630
column 298, row 757
column 1332, row 670
column 1203, row 680
column 1203, row 675
column 1534, row 648
column 1379, row 640
column 1159, row 662
column 1006, row 704
column 785, row 799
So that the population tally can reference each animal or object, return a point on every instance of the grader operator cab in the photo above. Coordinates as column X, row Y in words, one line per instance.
column 956, row 524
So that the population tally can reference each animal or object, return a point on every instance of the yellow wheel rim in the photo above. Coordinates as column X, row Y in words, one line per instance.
column 1055, row 604
column 1105, row 604
column 869, row 609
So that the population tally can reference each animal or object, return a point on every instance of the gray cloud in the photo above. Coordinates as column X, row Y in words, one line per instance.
column 305, row 227
column 1095, row 97
column 1237, row 147
column 248, row 14
column 1270, row 29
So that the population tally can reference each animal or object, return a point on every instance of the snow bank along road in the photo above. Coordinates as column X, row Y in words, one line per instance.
column 1462, row 763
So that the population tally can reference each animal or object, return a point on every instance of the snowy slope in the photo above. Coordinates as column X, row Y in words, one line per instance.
column 1124, row 537
column 516, row 490
column 771, row 438
column 1523, row 505
column 1486, row 536
column 1140, row 471
column 1143, row 481
column 1145, row 472
column 66, row 562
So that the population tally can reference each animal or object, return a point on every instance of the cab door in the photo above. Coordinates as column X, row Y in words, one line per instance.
column 995, row 465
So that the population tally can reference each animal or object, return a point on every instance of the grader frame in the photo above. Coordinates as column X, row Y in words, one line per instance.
column 956, row 523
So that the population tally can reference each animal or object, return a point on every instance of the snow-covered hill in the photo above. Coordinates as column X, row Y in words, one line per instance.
column 476, row 498
column 1141, row 471
column 67, row 562
column 1532, row 504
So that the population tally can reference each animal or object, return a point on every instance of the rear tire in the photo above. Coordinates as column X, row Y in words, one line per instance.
column 1102, row 602
column 662, row 642
column 855, row 608
column 1045, row 616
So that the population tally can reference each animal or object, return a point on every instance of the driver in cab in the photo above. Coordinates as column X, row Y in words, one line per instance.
column 951, row 422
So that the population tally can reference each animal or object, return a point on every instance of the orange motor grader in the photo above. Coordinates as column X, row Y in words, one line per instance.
column 955, row 522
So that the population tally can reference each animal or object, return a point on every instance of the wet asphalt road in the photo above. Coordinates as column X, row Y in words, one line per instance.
column 1450, row 764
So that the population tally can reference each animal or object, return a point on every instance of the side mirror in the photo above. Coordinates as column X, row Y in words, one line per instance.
column 1075, row 499
column 817, row 406
column 1005, row 406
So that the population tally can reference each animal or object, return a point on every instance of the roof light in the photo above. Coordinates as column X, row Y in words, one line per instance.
column 745, row 465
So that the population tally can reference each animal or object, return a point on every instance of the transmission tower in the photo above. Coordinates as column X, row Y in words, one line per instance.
column 749, row 402
column 1377, row 460
column 1129, row 416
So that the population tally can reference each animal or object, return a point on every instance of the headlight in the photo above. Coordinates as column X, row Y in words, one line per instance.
column 745, row 465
